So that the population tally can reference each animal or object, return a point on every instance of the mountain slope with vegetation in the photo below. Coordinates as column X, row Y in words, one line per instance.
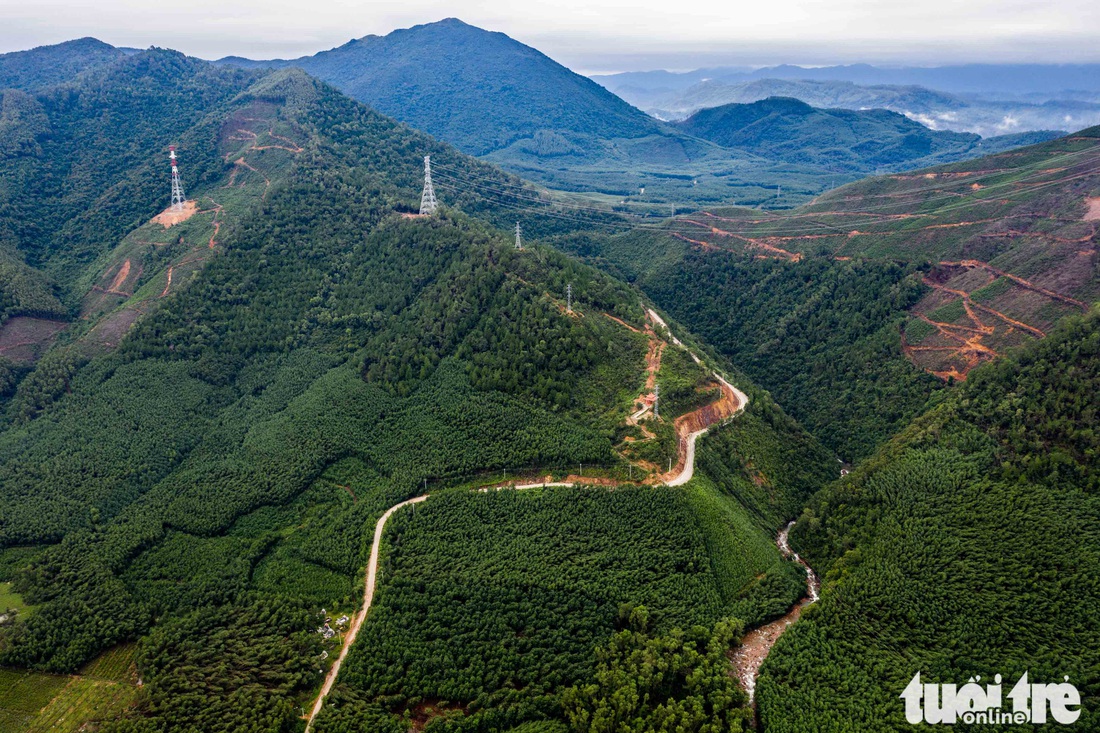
column 846, row 140
column 538, row 119
column 47, row 66
column 422, row 75
column 295, row 353
column 967, row 546
column 838, row 306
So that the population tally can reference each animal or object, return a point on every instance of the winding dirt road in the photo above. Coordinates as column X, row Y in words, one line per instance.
column 732, row 403
column 689, row 427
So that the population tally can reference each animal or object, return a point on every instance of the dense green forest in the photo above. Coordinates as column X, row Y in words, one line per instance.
column 967, row 545
column 205, row 484
column 211, row 483
column 421, row 75
column 46, row 66
column 676, row 682
column 493, row 604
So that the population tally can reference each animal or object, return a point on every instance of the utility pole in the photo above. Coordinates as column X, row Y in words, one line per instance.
column 177, row 187
column 519, row 237
column 657, row 401
column 428, row 204
column 569, row 297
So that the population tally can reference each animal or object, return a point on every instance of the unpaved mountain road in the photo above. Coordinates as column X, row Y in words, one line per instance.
column 732, row 403
column 689, row 427
column 368, row 597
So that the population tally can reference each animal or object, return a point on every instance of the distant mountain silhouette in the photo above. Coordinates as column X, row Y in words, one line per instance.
column 788, row 129
column 998, row 79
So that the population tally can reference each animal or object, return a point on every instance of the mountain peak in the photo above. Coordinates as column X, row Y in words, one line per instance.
column 46, row 66
column 421, row 76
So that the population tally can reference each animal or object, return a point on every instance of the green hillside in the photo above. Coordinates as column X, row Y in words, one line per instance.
column 841, row 139
column 967, row 546
column 422, row 75
column 853, row 309
column 47, row 66
column 204, row 413
column 97, row 152
column 198, row 461
column 494, row 97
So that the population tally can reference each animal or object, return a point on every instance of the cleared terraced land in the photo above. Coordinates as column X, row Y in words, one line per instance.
column 32, row 702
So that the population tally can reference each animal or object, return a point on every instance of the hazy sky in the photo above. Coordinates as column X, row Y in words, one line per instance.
column 595, row 35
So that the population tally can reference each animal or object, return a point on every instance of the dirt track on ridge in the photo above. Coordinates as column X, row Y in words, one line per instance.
column 688, row 427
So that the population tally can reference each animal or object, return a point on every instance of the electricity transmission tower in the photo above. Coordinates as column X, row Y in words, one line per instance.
column 569, row 297
column 428, row 204
column 177, row 187
column 519, row 237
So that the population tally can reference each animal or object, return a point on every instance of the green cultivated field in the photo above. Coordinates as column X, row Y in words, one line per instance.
column 32, row 702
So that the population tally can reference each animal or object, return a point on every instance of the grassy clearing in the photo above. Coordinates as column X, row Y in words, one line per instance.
column 1000, row 286
column 28, row 692
column 31, row 702
column 950, row 313
column 917, row 330
column 81, row 702
column 10, row 599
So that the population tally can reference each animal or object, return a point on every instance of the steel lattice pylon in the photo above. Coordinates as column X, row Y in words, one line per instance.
column 177, row 187
column 428, row 204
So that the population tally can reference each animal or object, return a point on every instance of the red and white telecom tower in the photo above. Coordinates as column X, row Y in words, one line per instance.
column 177, row 187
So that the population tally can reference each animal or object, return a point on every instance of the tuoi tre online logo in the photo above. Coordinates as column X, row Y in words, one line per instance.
column 1057, row 702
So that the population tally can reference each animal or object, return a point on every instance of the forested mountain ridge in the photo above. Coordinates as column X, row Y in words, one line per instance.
column 96, row 151
column 46, row 66
column 306, row 352
column 845, row 140
column 82, row 165
column 838, row 306
column 423, row 74
column 100, row 152
column 967, row 546
column 536, row 118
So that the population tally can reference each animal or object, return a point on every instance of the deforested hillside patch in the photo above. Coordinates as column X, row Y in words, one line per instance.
column 856, row 308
